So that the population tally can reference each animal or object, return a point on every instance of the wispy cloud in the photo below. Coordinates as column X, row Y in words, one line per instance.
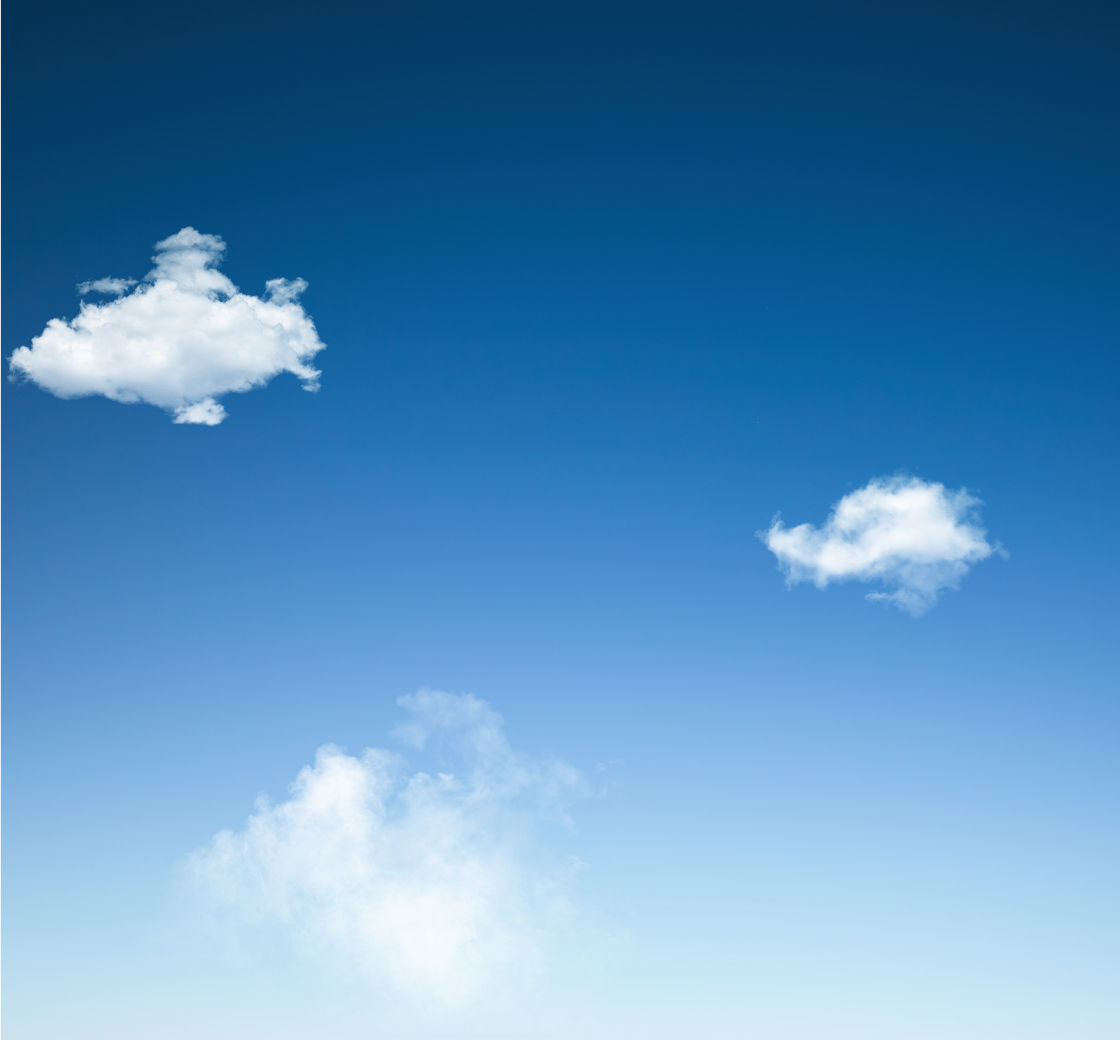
column 431, row 883
column 179, row 339
column 916, row 539
column 107, row 286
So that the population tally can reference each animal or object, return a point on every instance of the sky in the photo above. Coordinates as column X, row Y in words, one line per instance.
column 532, row 521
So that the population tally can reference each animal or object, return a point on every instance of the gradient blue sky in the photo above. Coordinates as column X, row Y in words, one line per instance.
column 603, row 288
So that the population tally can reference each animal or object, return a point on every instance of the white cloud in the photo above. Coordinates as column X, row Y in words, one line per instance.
column 915, row 538
column 206, row 412
column 428, row 882
column 181, row 338
column 108, row 286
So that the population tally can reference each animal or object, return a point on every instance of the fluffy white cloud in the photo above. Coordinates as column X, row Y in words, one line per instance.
column 915, row 538
column 180, row 339
column 428, row 882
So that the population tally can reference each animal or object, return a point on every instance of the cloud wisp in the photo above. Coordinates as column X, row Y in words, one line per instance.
column 430, row 884
column 916, row 539
column 179, row 339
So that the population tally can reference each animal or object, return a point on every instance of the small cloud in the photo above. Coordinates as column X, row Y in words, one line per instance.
column 206, row 412
column 916, row 539
column 427, row 882
column 179, row 339
column 108, row 286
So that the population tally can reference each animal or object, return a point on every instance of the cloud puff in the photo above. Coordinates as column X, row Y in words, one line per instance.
column 108, row 286
column 427, row 882
column 180, row 339
column 915, row 538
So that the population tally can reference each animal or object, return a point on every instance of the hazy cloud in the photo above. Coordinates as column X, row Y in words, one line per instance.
column 108, row 286
column 179, row 339
column 914, row 538
column 430, row 882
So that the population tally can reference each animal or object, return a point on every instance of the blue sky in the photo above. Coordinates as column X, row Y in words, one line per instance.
column 602, row 291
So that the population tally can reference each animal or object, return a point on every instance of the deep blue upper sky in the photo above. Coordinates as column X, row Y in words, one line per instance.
column 603, row 288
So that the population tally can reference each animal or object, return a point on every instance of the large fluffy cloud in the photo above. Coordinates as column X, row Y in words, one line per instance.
column 179, row 339
column 916, row 539
column 430, row 882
